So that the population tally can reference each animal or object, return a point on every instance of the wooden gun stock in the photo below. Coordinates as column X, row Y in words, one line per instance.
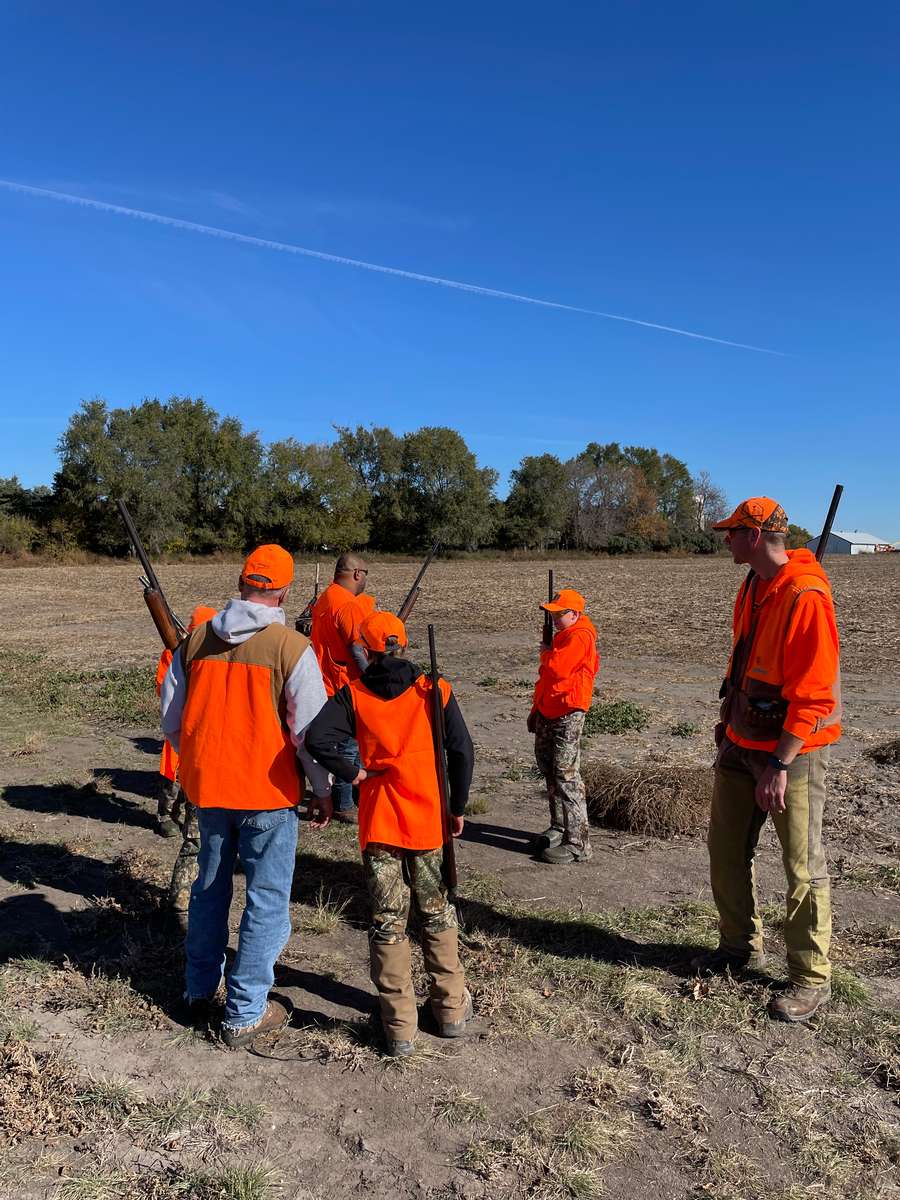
column 162, row 618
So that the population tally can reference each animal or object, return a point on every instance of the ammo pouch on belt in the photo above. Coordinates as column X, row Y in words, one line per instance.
column 757, row 713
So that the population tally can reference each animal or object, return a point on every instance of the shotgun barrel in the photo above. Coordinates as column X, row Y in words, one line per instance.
column 412, row 595
column 448, row 865
column 169, row 628
column 548, row 619
column 822, row 546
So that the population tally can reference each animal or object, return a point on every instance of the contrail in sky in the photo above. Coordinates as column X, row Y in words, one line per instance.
column 287, row 248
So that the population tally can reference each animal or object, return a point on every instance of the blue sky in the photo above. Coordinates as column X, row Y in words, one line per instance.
column 726, row 169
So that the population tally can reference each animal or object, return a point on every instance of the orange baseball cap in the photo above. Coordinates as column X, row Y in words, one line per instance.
column 564, row 600
column 378, row 627
column 201, row 614
column 268, row 568
column 759, row 512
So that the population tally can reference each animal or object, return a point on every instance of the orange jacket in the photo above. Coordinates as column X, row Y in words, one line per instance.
column 168, row 759
column 784, row 670
column 402, row 807
column 236, row 750
column 336, row 618
column 568, row 668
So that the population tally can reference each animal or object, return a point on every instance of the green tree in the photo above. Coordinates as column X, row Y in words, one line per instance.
column 797, row 537
column 313, row 497
column 537, row 508
column 444, row 493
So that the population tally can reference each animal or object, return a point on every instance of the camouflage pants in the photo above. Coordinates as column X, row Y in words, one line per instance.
column 557, row 751
column 393, row 877
column 184, row 871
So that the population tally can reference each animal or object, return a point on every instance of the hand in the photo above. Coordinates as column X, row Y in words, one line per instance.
column 320, row 809
column 364, row 774
column 456, row 825
column 770, row 789
column 531, row 723
column 719, row 733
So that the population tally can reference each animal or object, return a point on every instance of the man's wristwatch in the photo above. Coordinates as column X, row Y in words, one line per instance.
column 775, row 761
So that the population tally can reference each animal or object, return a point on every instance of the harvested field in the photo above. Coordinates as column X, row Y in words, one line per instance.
column 599, row 1064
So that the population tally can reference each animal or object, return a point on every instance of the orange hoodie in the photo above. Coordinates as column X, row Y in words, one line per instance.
column 568, row 667
column 784, row 669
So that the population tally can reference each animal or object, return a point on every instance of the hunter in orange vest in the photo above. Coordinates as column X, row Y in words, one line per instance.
column 388, row 712
column 236, row 703
column 336, row 619
column 562, row 696
column 781, row 711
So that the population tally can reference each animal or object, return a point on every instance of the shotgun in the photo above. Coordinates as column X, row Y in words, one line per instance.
column 303, row 624
column 448, row 865
column 169, row 628
column 547, row 638
column 822, row 545
column 413, row 594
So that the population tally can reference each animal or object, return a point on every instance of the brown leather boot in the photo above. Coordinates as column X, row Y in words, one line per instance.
column 276, row 1016
column 450, row 1002
column 798, row 1003
column 391, row 972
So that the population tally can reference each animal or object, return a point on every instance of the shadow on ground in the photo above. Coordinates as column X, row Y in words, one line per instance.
column 89, row 803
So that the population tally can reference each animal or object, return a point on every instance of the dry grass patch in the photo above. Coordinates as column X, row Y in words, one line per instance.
column 37, row 1090
column 887, row 754
column 652, row 801
column 882, row 876
column 323, row 915
column 455, row 1106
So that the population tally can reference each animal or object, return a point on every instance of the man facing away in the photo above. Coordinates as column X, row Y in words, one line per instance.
column 781, row 711
column 336, row 618
column 388, row 712
column 235, row 704
column 562, row 696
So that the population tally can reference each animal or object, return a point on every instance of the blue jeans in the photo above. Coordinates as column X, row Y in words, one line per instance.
column 342, row 793
column 266, row 841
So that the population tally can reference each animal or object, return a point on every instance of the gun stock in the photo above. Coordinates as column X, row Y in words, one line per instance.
column 403, row 612
column 548, row 619
column 162, row 618
column 448, row 864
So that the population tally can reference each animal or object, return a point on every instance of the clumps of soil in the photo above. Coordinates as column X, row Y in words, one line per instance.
column 36, row 1093
column 651, row 801
column 887, row 754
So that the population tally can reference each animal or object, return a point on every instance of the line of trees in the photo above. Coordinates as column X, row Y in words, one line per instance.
column 197, row 482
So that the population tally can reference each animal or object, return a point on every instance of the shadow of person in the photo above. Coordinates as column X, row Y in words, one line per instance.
column 79, row 802
column 569, row 937
column 125, row 779
column 340, row 880
column 518, row 841
column 147, row 745
column 342, row 995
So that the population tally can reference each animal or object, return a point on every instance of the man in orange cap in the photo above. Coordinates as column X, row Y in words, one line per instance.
column 236, row 703
column 388, row 713
column 781, row 712
column 336, row 618
column 562, row 696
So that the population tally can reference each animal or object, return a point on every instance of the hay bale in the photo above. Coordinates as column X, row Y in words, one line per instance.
column 656, row 801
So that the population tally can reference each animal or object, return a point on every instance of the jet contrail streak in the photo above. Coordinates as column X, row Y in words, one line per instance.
column 288, row 248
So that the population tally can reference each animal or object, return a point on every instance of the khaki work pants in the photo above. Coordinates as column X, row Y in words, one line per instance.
column 394, row 876
column 734, row 828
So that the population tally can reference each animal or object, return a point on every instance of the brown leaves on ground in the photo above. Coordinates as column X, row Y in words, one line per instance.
column 652, row 801
column 36, row 1095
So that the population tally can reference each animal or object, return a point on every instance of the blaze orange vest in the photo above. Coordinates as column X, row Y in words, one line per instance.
column 402, row 806
column 236, row 749
column 753, row 707
column 168, row 759
column 331, row 647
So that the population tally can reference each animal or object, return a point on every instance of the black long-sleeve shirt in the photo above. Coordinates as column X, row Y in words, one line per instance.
column 335, row 724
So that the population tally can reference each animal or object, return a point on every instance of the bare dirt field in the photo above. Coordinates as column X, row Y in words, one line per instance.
column 599, row 1066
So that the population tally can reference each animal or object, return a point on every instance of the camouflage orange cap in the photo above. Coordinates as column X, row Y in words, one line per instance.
column 378, row 627
column 269, row 568
column 759, row 512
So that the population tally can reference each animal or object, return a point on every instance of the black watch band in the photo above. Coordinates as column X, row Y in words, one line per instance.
column 775, row 761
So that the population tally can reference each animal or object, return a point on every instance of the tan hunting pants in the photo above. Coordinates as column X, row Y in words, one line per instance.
column 734, row 828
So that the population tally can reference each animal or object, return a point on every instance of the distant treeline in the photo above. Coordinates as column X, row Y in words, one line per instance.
column 197, row 483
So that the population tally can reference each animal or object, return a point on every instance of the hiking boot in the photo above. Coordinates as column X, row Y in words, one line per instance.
column 275, row 1017
column 399, row 1049
column 546, row 840
column 722, row 960
column 166, row 827
column 455, row 1029
column 346, row 816
column 798, row 1003
column 562, row 855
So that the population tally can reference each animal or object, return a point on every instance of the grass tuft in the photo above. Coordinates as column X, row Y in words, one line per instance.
column 617, row 716
column 655, row 801
column 323, row 915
